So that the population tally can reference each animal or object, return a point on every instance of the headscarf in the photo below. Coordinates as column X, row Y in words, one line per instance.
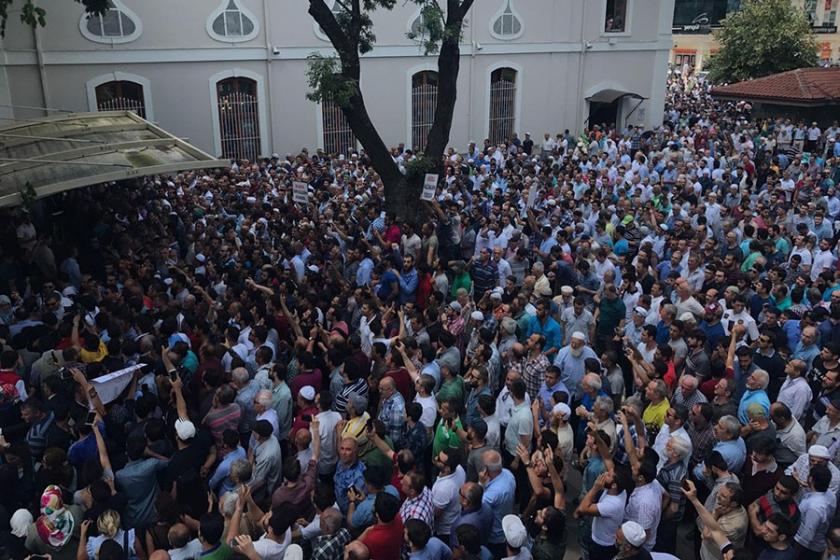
column 56, row 524
column 20, row 522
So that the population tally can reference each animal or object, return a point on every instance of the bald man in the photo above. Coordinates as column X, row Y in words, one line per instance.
column 356, row 550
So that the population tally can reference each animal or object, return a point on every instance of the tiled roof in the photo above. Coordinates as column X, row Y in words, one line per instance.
column 805, row 85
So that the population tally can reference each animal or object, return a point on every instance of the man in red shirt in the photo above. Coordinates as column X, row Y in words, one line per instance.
column 384, row 538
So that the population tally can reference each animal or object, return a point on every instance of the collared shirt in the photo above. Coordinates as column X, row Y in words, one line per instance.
column 533, row 372
column 645, row 508
column 138, row 481
column 499, row 494
column 481, row 518
column 671, row 476
column 703, row 441
column 504, row 405
column 546, row 392
column 753, row 396
column 817, row 510
column 345, row 477
column 521, row 423
column 796, row 394
column 572, row 367
column 828, row 435
column 281, row 401
column 435, row 549
column 36, row 436
column 359, row 386
column 392, row 414
column 330, row 547
column 268, row 465
column 792, row 437
column 222, row 474
column 419, row 508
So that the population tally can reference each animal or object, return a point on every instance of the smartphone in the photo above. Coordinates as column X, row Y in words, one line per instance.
column 91, row 418
column 685, row 485
column 65, row 374
column 173, row 375
column 307, row 417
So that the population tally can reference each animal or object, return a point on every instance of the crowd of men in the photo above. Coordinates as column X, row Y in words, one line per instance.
column 627, row 338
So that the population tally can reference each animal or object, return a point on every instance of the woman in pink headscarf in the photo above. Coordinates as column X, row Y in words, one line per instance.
column 56, row 531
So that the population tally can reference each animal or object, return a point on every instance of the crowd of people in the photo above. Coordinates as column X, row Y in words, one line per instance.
column 629, row 339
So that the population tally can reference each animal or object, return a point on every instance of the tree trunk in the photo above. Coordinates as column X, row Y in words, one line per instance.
column 402, row 192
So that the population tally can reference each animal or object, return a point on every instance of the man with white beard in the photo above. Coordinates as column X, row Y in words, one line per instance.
column 570, row 359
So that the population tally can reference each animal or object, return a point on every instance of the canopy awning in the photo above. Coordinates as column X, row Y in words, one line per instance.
column 612, row 95
column 56, row 154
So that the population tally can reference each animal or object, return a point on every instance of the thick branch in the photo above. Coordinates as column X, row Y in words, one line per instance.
column 325, row 17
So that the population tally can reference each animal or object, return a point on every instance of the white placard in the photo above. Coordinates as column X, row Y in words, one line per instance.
column 429, row 187
column 300, row 192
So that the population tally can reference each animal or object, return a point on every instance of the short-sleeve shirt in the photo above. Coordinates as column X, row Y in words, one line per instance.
column 611, row 514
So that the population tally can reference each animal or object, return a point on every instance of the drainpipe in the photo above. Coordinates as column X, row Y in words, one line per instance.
column 268, row 60
column 581, row 64
column 42, row 68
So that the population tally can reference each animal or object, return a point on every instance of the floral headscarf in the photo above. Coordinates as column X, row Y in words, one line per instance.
column 56, row 524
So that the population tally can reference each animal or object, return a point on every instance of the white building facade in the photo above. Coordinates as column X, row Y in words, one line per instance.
column 230, row 75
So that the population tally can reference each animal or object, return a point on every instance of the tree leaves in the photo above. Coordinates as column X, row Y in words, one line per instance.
column 34, row 15
column 765, row 37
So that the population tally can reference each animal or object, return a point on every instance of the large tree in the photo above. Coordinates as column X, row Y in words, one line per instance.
column 349, row 27
column 762, row 38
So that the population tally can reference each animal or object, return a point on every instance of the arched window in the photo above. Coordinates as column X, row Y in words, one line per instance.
column 239, row 121
column 424, row 92
column 121, row 95
column 338, row 136
column 231, row 23
column 502, row 104
column 417, row 29
column 506, row 24
column 117, row 25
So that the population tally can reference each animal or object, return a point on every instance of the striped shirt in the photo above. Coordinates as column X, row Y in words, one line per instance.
column 36, row 437
column 218, row 420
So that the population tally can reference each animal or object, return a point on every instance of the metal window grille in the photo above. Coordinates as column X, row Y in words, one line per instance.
column 121, row 96
column 424, row 93
column 239, row 123
column 338, row 136
column 502, row 105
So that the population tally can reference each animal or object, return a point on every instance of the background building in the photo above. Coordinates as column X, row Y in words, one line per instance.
column 230, row 75
column 694, row 21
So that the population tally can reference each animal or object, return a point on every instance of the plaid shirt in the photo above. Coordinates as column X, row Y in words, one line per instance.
column 392, row 414
column 620, row 455
column 419, row 508
column 533, row 372
column 416, row 440
column 331, row 547
column 702, row 442
column 670, row 477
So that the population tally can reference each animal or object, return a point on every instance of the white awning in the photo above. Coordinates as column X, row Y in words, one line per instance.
column 56, row 154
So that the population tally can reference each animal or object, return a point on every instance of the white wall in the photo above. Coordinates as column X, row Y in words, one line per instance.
column 561, row 54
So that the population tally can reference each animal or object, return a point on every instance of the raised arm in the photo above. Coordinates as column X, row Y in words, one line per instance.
column 603, row 449
column 705, row 515
column 89, row 390
column 180, row 404
column 104, row 460
column 629, row 447
column 556, row 480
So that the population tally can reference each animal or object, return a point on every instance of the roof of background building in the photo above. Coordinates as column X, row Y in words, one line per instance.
column 805, row 86
column 56, row 154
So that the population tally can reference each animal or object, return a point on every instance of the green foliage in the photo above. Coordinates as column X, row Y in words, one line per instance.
column 326, row 82
column 765, row 37
column 28, row 196
column 34, row 15
column 431, row 30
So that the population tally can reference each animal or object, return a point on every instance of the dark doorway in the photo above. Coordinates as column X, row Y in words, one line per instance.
column 603, row 113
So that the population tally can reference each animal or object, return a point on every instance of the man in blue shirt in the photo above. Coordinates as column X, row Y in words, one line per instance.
column 360, row 514
column 408, row 280
column 221, row 481
column 756, row 394
column 499, row 493
column 545, row 325
column 138, row 481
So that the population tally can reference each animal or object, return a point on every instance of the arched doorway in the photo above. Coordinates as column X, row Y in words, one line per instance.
column 239, row 121
column 121, row 95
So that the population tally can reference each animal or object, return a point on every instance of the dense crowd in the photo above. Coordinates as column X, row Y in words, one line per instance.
column 626, row 338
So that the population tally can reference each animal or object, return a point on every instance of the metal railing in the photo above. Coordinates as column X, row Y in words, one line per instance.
column 338, row 136
column 122, row 104
column 423, row 105
column 239, row 125
column 502, row 110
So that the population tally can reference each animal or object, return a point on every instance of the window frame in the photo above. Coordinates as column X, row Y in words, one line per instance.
column 243, row 12
column 628, row 20
column 120, row 7
column 502, row 13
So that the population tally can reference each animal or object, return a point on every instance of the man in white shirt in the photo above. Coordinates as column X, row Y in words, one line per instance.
column 446, row 491
column 645, row 503
column 607, row 513
column 823, row 259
